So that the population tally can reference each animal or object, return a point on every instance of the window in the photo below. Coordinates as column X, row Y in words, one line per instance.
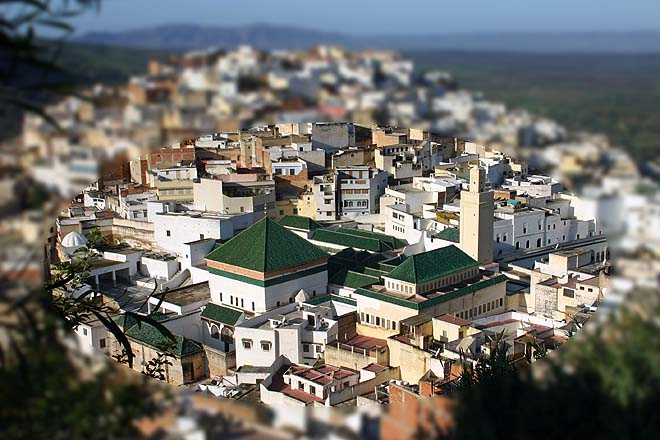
column 252, row 305
column 305, row 348
column 569, row 293
column 242, row 303
column 201, row 236
column 265, row 345
column 247, row 344
column 215, row 333
column 281, row 212
column 84, row 332
column 295, row 211
column 220, row 296
column 168, row 233
column 301, row 386
column 378, row 321
column 312, row 390
column 102, row 343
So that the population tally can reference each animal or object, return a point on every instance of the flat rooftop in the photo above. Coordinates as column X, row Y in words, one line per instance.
column 184, row 296
column 321, row 375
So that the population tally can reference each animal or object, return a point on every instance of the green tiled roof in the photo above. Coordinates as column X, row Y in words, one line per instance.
column 218, row 313
column 299, row 222
column 449, row 234
column 125, row 321
column 431, row 265
column 374, row 272
column 390, row 240
column 151, row 336
column 326, row 298
column 266, row 246
column 358, row 239
column 472, row 288
column 353, row 279
column 350, row 259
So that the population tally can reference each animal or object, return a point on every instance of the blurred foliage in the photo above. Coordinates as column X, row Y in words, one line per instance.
column 604, row 383
column 614, row 94
column 30, row 69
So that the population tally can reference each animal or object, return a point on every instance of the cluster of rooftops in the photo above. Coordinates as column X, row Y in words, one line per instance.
column 268, row 247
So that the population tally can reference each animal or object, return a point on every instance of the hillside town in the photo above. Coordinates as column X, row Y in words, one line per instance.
column 327, row 262
column 303, row 260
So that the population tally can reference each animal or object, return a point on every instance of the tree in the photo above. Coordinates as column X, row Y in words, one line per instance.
column 30, row 72
column 488, row 367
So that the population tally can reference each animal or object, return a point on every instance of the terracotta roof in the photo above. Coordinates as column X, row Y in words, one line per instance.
column 453, row 319
column 366, row 342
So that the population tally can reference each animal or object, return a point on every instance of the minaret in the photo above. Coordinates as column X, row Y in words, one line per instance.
column 477, row 211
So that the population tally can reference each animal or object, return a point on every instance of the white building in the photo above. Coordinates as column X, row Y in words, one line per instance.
column 174, row 230
column 265, row 267
column 296, row 330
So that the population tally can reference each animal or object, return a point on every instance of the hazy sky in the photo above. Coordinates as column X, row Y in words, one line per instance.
column 392, row 17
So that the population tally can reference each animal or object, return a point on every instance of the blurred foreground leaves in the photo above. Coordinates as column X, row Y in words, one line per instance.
column 51, row 391
column 604, row 383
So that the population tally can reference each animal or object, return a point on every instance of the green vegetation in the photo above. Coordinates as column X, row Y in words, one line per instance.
column 614, row 94
column 107, row 63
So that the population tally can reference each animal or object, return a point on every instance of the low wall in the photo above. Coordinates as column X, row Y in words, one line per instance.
column 132, row 231
column 365, row 387
column 219, row 363
column 342, row 355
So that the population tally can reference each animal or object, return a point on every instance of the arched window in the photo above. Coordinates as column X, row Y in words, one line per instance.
column 227, row 335
column 538, row 243
column 215, row 332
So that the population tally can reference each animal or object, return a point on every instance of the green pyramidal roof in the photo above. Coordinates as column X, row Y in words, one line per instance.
column 266, row 246
column 299, row 222
column 432, row 265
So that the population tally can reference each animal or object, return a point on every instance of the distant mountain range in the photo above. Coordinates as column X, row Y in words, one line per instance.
column 269, row 37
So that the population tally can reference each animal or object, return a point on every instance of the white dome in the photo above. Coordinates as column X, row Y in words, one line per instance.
column 74, row 239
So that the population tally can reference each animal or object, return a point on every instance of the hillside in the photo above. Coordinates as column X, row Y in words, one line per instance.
column 105, row 63
column 615, row 94
column 268, row 37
